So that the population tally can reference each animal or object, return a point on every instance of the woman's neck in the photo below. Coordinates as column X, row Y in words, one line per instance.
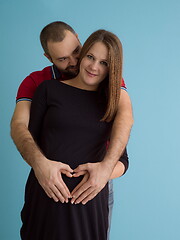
column 76, row 82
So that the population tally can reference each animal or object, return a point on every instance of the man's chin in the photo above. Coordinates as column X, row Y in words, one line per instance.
column 72, row 74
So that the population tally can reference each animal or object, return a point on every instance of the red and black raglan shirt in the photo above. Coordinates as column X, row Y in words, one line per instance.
column 28, row 87
column 30, row 83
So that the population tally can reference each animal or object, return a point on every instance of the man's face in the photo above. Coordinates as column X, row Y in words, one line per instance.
column 65, row 54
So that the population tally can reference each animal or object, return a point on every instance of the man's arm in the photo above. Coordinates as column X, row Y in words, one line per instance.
column 47, row 172
column 99, row 173
column 120, row 131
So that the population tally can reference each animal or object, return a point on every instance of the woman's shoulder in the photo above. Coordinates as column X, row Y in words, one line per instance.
column 48, row 84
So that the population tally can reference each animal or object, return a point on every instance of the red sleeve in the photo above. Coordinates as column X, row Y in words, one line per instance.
column 123, row 85
column 26, row 89
column 28, row 86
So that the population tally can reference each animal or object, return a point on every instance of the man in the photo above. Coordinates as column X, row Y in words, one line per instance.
column 63, row 51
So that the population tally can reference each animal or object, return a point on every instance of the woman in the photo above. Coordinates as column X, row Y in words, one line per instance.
column 71, row 122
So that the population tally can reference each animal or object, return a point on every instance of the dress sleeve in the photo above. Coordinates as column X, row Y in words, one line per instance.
column 125, row 160
column 38, row 110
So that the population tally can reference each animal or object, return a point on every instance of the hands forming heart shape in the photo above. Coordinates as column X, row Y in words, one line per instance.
column 96, row 175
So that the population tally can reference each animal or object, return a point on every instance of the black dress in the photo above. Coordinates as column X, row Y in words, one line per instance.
column 65, row 122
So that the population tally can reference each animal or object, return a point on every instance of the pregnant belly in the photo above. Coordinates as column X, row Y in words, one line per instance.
column 71, row 183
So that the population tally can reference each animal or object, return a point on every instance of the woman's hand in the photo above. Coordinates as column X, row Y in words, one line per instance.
column 84, row 180
column 49, row 177
column 97, row 176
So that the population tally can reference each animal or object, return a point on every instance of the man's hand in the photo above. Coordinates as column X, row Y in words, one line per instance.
column 95, row 179
column 49, row 177
column 47, row 172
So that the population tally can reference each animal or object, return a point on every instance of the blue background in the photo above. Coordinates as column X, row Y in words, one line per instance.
column 147, row 198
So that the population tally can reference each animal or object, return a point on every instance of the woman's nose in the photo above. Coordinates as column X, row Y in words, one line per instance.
column 94, row 65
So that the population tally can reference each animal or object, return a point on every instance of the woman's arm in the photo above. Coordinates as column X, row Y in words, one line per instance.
column 118, row 170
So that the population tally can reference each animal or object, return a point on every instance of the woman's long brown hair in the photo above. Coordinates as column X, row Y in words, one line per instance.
column 111, row 85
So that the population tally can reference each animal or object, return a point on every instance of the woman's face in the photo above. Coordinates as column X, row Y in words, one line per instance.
column 94, row 66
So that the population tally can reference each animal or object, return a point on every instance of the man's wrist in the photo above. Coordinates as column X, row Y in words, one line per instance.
column 110, row 160
column 108, row 165
column 38, row 161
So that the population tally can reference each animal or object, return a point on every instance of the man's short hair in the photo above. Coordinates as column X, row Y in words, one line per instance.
column 55, row 32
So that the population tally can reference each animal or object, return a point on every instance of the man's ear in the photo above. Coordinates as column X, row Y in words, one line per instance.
column 77, row 36
column 48, row 57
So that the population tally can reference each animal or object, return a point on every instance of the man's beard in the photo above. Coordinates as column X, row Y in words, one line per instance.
column 71, row 71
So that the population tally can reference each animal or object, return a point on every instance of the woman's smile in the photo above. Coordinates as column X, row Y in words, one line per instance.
column 91, row 74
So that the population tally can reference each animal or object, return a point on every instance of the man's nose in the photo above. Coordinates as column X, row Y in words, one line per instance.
column 72, row 61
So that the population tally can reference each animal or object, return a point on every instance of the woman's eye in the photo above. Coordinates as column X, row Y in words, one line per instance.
column 104, row 63
column 89, row 56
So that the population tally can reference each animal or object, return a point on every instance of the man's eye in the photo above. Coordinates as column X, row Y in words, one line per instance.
column 62, row 59
column 77, row 51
